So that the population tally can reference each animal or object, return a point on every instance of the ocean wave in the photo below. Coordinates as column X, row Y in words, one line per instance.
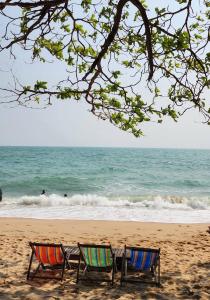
column 91, row 200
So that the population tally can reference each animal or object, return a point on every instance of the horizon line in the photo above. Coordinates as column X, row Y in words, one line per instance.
column 108, row 147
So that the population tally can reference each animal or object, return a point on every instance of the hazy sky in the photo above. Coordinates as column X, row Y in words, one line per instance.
column 70, row 124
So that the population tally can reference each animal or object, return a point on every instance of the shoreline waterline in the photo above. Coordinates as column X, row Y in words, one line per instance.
column 100, row 221
column 160, row 209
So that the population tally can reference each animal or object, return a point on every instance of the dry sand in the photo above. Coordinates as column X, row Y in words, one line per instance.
column 185, row 258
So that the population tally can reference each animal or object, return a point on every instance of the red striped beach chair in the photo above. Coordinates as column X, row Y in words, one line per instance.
column 49, row 257
column 144, row 261
column 96, row 258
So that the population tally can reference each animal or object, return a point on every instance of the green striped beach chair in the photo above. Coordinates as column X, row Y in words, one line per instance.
column 141, row 261
column 96, row 258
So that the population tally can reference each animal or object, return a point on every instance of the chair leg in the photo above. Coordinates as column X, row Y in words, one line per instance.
column 158, row 283
column 121, row 278
column 114, row 268
column 37, row 269
column 63, row 269
column 115, row 264
column 122, row 271
column 29, row 267
column 126, row 269
column 78, row 269
column 68, row 265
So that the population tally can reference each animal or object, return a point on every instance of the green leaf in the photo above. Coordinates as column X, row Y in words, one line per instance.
column 40, row 85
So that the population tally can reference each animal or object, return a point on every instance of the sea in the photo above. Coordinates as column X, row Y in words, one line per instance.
column 133, row 184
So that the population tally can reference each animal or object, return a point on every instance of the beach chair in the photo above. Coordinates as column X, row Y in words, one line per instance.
column 51, row 258
column 140, row 264
column 96, row 258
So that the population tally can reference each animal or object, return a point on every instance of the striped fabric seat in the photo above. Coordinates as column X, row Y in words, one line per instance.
column 49, row 255
column 97, row 257
column 142, row 260
column 138, row 260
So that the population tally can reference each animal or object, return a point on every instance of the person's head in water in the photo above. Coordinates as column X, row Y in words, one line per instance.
column 65, row 195
column 43, row 192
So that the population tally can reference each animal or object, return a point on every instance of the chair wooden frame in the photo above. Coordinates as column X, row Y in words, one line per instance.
column 89, row 268
column 43, row 266
column 154, row 270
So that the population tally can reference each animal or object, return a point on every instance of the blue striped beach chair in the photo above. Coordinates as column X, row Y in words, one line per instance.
column 144, row 261
column 96, row 258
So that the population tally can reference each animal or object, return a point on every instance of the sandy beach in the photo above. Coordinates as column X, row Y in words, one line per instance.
column 185, row 258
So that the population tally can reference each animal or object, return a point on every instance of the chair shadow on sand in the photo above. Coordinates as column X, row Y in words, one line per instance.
column 68, row 289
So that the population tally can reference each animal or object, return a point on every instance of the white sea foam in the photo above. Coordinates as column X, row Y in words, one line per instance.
column 169, row 209
column 156, row 202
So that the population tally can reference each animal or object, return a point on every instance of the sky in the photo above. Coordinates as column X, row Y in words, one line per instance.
column 68, row 123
